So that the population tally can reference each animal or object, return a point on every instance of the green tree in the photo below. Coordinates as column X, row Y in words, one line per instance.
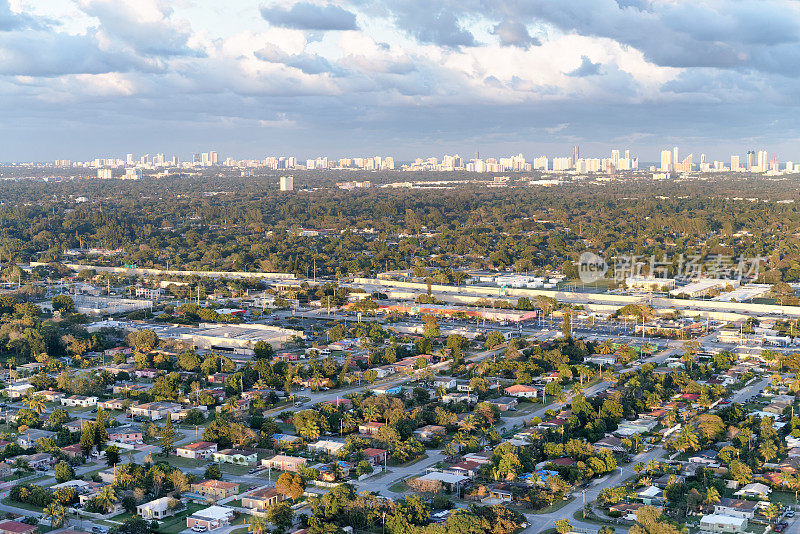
column 63, row 304
column 55, row 513
column 63, row 472
column 213, row 472
column 493, row 339
column 563, row 526
column 167, row 437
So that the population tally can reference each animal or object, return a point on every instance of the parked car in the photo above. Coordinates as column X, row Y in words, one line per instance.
column 198, row 528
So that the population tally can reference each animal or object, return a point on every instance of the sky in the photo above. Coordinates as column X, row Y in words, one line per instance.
column 409, row 78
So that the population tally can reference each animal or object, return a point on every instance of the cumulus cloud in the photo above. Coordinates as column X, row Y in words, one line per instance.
column 10, row 20
column 307, row 63
column 146, row 26
column 586, row 68
column 512, row 33
column 305, row 16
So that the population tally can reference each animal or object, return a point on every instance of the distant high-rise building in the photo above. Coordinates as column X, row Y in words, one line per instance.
column 129, row 159
column 763, row 161
column 734, row 163
column 751, row 160
column 576, row 153
column 541, row 163
column 666, row 161
column 615, row 158
column 675, row 159
column 105, row 174
column 213, row 158
column 287, row 183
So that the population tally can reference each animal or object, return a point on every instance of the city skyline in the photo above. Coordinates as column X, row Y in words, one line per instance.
column 314, row 77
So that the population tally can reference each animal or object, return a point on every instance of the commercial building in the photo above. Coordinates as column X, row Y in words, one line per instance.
column 238, row 339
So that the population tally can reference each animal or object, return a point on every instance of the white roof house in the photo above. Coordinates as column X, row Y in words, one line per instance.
column 327, row 446
column 723, row 523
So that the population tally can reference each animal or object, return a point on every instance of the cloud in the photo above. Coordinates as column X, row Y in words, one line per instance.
column 512, row 33
column 145, row 25
column 586, row 68
column 307, row 63
column 48, row 54
column 10, row 21
column 305, row 16
column 428, row 25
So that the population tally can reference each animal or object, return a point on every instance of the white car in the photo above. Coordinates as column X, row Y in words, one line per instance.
column 198, row 528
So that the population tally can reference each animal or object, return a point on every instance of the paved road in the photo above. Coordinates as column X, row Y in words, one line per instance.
column 540, row 522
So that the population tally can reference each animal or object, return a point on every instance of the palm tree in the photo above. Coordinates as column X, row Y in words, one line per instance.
column 468, row 424
column 106, row 498
column 258, row 525
column 55, row 513
column 712, row 496
column 35, row 403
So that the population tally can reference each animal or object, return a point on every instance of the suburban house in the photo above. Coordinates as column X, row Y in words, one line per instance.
column 261, row 499
column 16, row 527
column 723, row 523
column 79, row 400
column 736, row 508
column 375, row 456
column 327, row 446
column 77, row 425
column 28, row 438
column 157, row 509
column 386, row 390
column 284, row 463
column 215, row 489
column 444, row 382
column 125, row 434
column 504, row 403
column 154, row 410
column 112, row 404
column 235, row 456
column 72, row 450
column 17, row 391
column 40, row 460
column 452, row 398
column 50, row 396
column 211, row 518
column 198, row 449
column 612, row 443
column 755, row 489
column 370, row 428
column 522, row 391
column 429, row 432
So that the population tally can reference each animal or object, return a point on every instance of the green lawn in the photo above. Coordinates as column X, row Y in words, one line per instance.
column 177, row 523
column 181, row 462
column 234, row 504
column 410, row 462
column 235, row 469
column 399, row 487
column 784, row 497
column 8, row 502
column 558, row 505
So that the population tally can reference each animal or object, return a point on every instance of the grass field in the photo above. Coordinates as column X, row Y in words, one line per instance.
column 556, row 506
column 410, row 462
column 8, row 502
column 177, row 523
column 181, row 462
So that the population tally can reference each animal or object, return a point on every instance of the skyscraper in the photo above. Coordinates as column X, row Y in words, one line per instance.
column 675, row 159
column 734, row 163
column 666, row 161
column 751, row 160
column 575, row 154
column 287, row 183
